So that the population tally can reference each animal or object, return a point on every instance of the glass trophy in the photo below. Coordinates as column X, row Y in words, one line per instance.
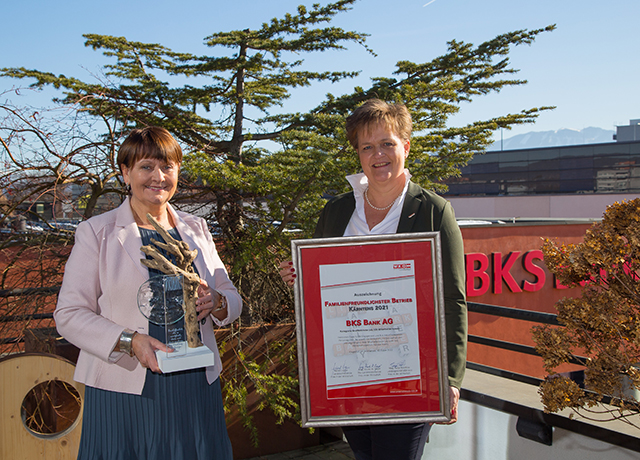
column 161, row 301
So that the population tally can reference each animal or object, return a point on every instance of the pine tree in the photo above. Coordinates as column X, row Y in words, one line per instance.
column 266, row 170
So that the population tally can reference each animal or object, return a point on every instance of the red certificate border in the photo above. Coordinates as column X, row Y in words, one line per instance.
column 424, row 398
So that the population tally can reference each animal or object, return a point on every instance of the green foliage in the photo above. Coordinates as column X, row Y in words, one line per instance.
column 262, row 377
column 604, row 322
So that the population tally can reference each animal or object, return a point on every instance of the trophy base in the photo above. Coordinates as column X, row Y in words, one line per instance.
column 194, row 358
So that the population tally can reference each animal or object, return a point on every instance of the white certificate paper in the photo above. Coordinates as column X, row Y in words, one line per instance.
column 370, row 326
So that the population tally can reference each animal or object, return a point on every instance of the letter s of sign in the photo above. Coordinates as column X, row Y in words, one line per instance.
column 535, row 270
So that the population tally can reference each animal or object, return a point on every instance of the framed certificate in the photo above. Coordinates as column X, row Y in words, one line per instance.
column 371, row 331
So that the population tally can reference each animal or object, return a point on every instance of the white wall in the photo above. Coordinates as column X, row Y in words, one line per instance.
column 486, row 434
column 556, row 206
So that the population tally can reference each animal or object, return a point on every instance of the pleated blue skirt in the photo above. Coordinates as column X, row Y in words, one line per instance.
column 179, row 416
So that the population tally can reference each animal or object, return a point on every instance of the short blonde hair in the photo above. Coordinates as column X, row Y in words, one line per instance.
column 376, row 111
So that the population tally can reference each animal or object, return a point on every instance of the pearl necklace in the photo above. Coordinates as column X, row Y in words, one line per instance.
column 366, row 196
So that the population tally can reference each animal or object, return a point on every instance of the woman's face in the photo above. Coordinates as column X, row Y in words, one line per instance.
column 382, row 154
column 153, row 182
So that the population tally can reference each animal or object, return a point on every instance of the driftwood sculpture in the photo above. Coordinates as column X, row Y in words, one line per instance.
column 183, row 266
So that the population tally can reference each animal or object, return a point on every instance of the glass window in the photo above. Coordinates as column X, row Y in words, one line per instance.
column 514, row 176
column 634, row 148
column 610, row 149
column 611, row 185
column 611, row 161
column 544, row 165
column 580, row 151
column 576, row 163
column 544, row 175
column 513, row 188
column 491, row 177
column 453, row 189
column 466, row 189
column 576, row 186
column 514, row 166
column 634, row 185
column 546, row 186
column 494, row 189
column 489, row 157
column 484, row 168
column 574, row 174
column 513, row 155
column 544, row 154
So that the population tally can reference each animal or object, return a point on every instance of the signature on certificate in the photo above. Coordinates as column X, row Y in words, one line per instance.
column 340, row 367
column 398, row 364
column 369, row 367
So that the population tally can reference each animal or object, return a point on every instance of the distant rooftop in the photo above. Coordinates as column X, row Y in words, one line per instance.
column 628, row 133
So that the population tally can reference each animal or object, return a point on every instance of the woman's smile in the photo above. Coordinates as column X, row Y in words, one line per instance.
column 381, row 165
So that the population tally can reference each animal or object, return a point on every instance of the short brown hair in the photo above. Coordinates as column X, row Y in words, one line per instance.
column 149, row 142
column 375, row 111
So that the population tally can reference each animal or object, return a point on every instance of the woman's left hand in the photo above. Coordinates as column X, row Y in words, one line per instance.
column 208, row 301
column 454, row 398
column 287, row 272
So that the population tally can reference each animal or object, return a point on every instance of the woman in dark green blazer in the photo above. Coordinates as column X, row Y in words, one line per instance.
column 384, row 200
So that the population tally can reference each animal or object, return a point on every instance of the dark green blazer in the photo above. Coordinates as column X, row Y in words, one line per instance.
column 423, row 211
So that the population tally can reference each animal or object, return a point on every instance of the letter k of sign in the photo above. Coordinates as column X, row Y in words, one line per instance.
column 501, row 272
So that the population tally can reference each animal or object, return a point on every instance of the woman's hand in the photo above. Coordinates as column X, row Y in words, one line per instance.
column 287, row 272
column 454, row 398
column 208, row 302
column 144, row 349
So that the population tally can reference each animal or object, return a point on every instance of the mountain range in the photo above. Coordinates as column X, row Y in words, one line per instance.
column 536, row 139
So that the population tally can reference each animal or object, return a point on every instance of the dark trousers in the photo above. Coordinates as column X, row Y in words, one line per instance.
column 387, row 442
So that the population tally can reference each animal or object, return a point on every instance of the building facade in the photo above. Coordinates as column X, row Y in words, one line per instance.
column 576, row 181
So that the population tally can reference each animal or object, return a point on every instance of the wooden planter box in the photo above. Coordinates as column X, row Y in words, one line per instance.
column 258, row 343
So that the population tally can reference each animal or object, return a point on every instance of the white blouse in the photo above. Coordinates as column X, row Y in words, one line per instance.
column 358, row 222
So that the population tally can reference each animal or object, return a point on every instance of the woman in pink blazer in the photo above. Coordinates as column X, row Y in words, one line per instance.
column 131, row 409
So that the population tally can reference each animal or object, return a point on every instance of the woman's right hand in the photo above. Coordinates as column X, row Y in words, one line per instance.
column 144, row 349
column 287, row 272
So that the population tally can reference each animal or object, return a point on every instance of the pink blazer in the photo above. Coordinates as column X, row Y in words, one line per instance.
column 98, row 297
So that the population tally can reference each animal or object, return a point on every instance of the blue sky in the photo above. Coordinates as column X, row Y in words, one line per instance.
column 588, row 67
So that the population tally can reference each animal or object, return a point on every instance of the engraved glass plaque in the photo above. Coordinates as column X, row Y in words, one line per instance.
column 160, row 300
